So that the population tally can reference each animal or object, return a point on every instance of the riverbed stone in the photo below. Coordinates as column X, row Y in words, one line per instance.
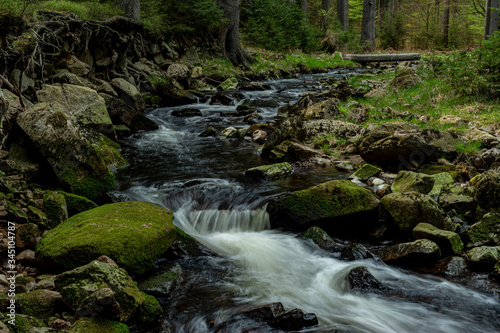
column 55, row 208
column 77, row 285
column 448, row 241
column 272, row 171
column 412, row 253
column 487, row 187
column 408, row 181
column 487, row 159
column 162, row 284
column 76, row 204
column 70, row 152
column 484, row 255
column 325, row 205
column 323, row 127
column 129, row 93
column 360, row 279
column 457, row 198
column 405, row 79
column 327, row 109
column 321, row 238
column 411, row 208
column 367, row 171
column 484, row 232
column 24, row 323
column 122, row 113
column 230, row 83
column 83, row 103
column 134, row 234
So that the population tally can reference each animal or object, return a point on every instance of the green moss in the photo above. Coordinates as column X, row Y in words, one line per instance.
column 484, row 232
column 150, row 311
column 445, row 239
column 367, row 171
column 39, row 303
column 55, row 207
column 88, row 185
column 134, row 234
column 24, row 323
column 76, row 203
column 328, row 200
column 109, row 152
column 98, row 325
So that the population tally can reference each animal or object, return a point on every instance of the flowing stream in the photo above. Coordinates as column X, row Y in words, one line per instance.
column 202, row 180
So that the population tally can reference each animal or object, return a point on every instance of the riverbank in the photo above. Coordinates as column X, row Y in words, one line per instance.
column 61, row 149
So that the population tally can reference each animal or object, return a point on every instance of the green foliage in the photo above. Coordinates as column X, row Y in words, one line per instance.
column 392, row 32
column 471, row 147
column 277, row 25
column 188, row 18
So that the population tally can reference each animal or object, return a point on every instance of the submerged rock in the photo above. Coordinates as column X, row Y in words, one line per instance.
column 134, row 234
column 412, row 208
column 272, row 171
column 162, row 284
column 325, row 205
column 360, row 279
column 320, row 238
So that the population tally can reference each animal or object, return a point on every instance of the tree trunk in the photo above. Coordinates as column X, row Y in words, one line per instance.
column 342, row 13
column 131, row 8
column 325, row 7
column 491, row 17
column 304, row 7
column 368, row 23
column 229, row 38
column 446, row 22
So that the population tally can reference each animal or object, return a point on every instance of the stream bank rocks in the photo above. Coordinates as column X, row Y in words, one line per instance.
column 134, row 234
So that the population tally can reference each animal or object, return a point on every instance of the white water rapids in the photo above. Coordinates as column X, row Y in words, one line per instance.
column 274, row 266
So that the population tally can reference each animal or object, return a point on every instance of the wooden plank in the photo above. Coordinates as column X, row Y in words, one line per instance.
column 381, row 57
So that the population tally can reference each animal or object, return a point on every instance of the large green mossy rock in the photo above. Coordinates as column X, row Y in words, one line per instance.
column 408, row 181
column 23, row 323
column 448, row 241
column 441, row 180
column 412, row 208
column 367, row 171
column 98, row 325
column 78, row 159
column 484, row 232
column 324, row 204
column 134, row 234
column 483, row 256
column 81, row 284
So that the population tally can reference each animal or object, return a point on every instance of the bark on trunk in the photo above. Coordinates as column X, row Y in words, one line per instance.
column 131, row 8
column 325, row 7
column 446, row 22
column 343, row 13
column 304, row 7
column 229, row 38
column 491, row 17
column 368, row 23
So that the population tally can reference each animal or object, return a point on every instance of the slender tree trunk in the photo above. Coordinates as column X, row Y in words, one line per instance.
column 368, row 23
column 343, row 13
column 304, row 7
column 325, row 7
column 446, row 22
column 491, row 17
column 131, row 8
column 229, row 37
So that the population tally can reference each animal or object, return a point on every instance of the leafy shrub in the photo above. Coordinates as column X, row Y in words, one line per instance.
column 392, row 32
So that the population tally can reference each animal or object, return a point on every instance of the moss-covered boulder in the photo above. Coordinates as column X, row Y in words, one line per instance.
column 272, row 171
column 326, row 205
column 26, row 235
column 40, row 303
column 69, row 149
column 230, row 83
column 412, row 208
column 55, row 208
column 419, row 252
column 448, row 241
column 134, row 234
column 457, row 198
column 441, row 180
column 76, row 204
column 484, row 256
column 408, row 181
column 488, row 190
column 367, row 171
column 98, row 325
column 484, row 232
column 78, row 285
